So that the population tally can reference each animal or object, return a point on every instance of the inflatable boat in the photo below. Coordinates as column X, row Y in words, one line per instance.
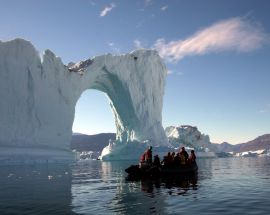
column 151, row 171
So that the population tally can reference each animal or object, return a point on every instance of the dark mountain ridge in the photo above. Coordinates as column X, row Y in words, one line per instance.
column 96, row 142
column 261, row 142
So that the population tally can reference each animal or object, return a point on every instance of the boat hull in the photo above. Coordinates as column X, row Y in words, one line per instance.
column 137, row 172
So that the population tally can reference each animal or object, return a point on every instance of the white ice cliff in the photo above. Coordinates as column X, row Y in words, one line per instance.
column 38, row 96
column 189, row 136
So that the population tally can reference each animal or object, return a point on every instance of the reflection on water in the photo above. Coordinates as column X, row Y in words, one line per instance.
column 35, row 189
column 101, row 187
column 223, row 186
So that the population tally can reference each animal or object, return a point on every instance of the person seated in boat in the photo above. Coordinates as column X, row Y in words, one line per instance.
column 167, row 160
column 184, row 152
column 177, row 160
column 142, row 158
column 164, row 161
column 183, row 160
column 170, row 158
column 173, row 155
column 146, row 158
column 148, row 155
column 156, row 161
column 192, row 157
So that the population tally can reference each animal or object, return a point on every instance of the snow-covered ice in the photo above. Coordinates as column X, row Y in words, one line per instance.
column 191, row 137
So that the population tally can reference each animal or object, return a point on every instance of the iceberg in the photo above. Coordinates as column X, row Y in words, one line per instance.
column 39, row 94
column 188, row 136
column 191, row 138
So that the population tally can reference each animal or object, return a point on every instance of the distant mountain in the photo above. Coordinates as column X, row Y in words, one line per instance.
column 188, row 134
column 225, row 147
column 261, row 142
column 83, row 142
column 76, row 133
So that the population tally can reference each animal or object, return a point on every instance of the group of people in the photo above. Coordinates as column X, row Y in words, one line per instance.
column 181, row 158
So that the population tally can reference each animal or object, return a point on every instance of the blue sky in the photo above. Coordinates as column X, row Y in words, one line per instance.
column 217, row 53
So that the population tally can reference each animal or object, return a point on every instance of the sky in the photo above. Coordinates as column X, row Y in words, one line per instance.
column 217, row 53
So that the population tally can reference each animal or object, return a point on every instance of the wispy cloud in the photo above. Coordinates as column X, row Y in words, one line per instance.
column 137, row 44
column 165, row 7
column 111, row 44
column 113, row 48
column 147, row 3
column 171, row 72
column 235, row 34
column 107, row 9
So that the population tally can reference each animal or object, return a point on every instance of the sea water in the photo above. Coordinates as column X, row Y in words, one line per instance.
column 223, row 186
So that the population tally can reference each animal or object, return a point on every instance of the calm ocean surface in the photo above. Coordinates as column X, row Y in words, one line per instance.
column 223, row 186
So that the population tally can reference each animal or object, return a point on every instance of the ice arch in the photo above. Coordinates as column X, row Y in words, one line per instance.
column 38, row 97
column 93, row 114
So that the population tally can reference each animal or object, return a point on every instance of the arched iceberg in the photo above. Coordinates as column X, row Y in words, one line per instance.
column 38, row 96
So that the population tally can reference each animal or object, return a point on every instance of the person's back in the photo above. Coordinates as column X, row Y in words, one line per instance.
column 173, row 155
column 164, row 162
column 184, row 152
column 192, row 157
column 156, row 161
column 186, row 155
column 142, row 158
column 169, row 159
column 182, row 159
column 177, row 160
column 148, row 155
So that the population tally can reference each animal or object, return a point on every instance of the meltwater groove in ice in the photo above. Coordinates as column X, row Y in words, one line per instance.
column 39, row 95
